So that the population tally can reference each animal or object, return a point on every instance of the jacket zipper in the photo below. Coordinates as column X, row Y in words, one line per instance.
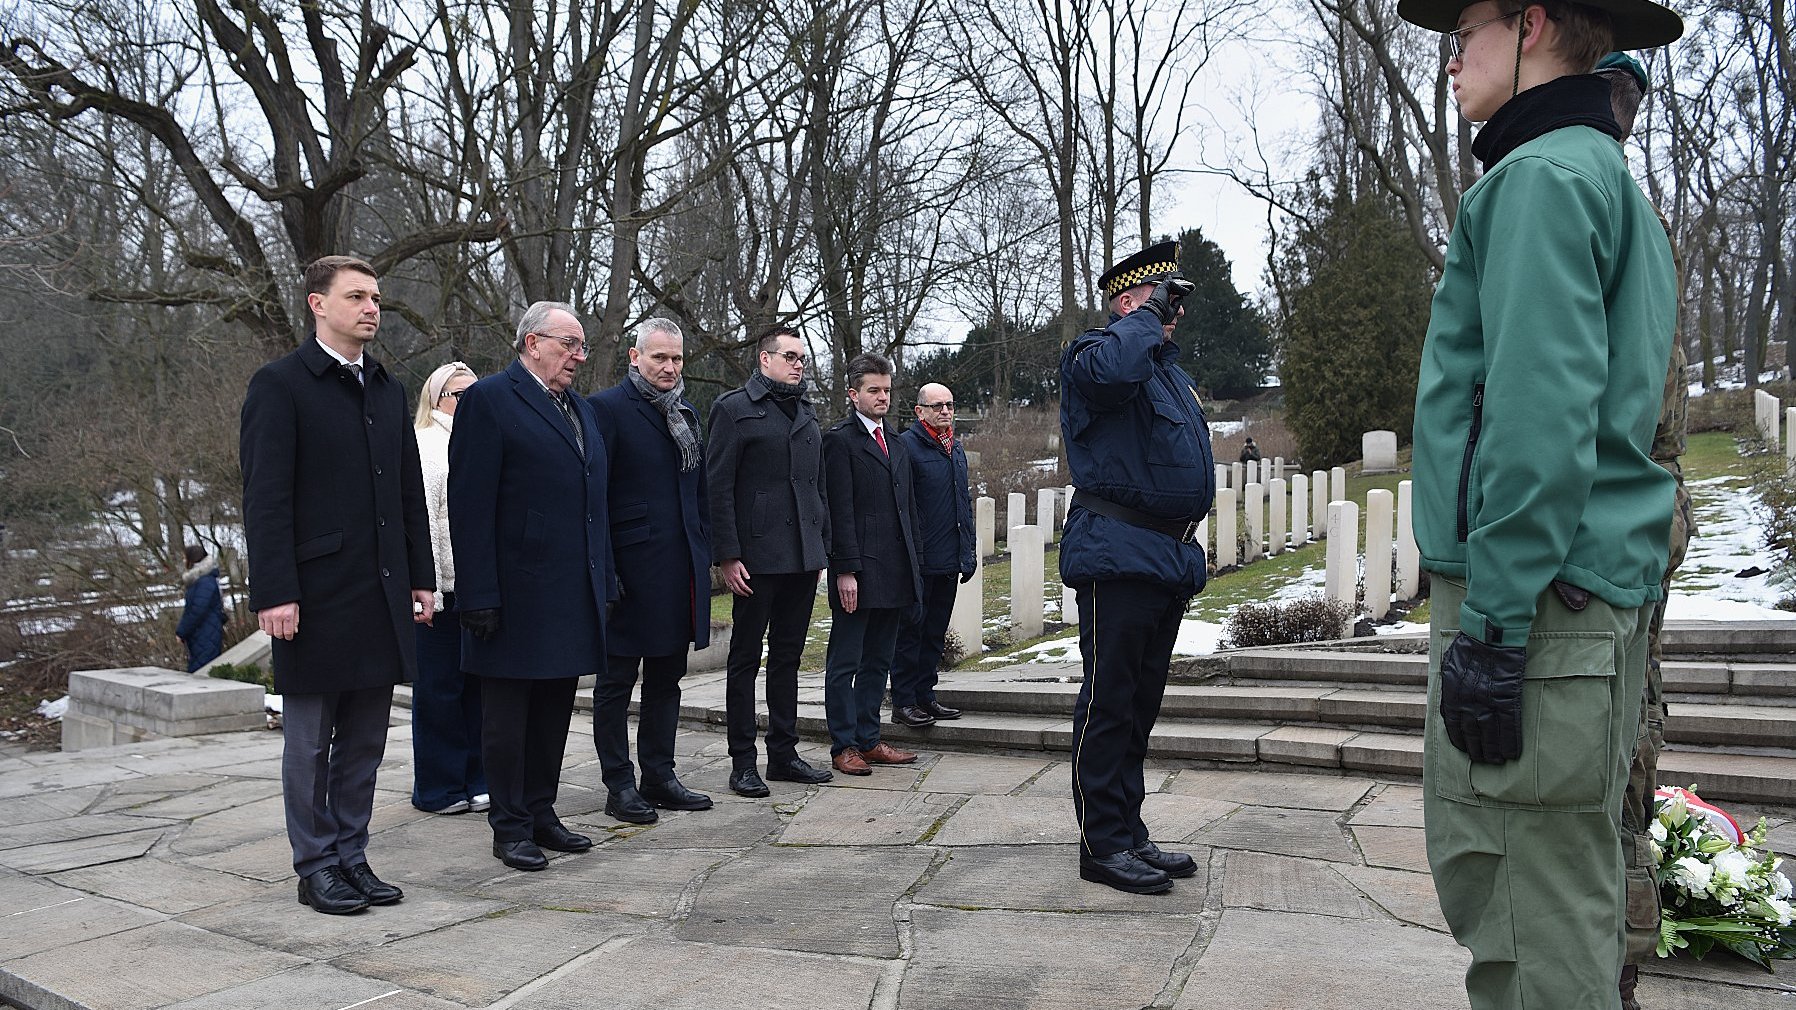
column 1465, row 466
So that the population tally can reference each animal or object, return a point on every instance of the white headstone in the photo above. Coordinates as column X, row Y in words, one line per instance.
column 1378, row 552
column 1026, row 560
column 1047, row 509
column 1237, row 476
column 1790, row 441
column 1409, row 580
column 1378, row 451
column 1342, row 573
column 1300, row 510
column 1069, row 605
column 1275, row 518
column 1278, row 466
column 1222, row 477
column 1066, row 507
column 1255, row 507
column 1319, row 503
column 1203, row 538
column 1765, row 410
column 1337, row 484
column 967, row 620
column 985, row 526
column 1016, row 513
column 1252, row 474
column 1225, row 527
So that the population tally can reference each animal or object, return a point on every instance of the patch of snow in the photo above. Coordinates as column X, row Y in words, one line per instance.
column 271, row 701
column 1197, row 638
column 1730, row 539
column 1400, row 628
column 1688, row 607
column 54, row 710
column 1049, row 465
column 1226, row 428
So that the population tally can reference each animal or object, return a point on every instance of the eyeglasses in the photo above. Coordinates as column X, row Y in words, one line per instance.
column 947, row 405
column 792, row 357
column 455, row 395
column 1456, row 38
column 574, row 344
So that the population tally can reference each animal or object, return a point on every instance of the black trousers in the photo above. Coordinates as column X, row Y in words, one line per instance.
column 657, row 719
column 921, row 642
column 523, row 733
column 1126, row 632
column 446, row 765
column 332, row 746
column 780, row 610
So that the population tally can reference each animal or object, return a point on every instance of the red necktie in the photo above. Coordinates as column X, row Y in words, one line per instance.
column 879, row 435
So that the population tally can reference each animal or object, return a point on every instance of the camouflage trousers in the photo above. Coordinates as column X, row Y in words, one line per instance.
column 1643, row 777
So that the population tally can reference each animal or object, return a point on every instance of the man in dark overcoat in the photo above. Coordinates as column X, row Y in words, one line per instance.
column 335, row 522
column 661, row 536
column 769, row 530
column 533, row 572
column 946, row 546
column 872, row 567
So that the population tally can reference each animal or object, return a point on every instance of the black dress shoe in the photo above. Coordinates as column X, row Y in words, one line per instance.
column 939, row 710
column 1173, row 864
column 328, row 891
column 377, row 891
column 520, row 855
column 796, row 769
column 628, row 805
column 911, row 715
column 747, row 782
column 673, row 795
column 1124, row 871
column 559, row 838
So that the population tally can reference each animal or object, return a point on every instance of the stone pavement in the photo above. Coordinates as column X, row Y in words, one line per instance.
column 157, row 875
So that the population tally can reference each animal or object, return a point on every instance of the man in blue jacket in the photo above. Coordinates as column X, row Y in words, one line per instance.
column 533, row 573
column 945, row 546
column 661, row 536
column 203, row 618
column 1139, row 451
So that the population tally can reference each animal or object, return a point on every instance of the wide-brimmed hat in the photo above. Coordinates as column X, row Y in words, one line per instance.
column 1639, row 24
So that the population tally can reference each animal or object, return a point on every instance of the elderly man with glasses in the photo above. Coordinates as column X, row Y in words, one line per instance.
column 530, row 526
column 946, row 543
column 769, row 534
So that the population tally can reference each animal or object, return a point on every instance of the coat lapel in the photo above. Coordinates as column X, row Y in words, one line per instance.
column 872, row 446
column 533, row 393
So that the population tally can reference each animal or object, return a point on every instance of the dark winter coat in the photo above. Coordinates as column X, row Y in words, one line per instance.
column 659, row 519
column 1135, row 435
column 870, row 508
column 334, row 518
column 529, row 526
column 203, row 619
column 765, row 476
column 946, row 537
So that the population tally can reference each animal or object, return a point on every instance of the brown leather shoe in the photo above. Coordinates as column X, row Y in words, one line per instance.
column 883, row 753
column 850, row 762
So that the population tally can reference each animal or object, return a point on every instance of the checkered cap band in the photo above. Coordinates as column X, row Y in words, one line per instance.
column 1140, row 275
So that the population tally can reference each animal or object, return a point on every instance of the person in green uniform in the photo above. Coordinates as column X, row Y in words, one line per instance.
column 1539, row 509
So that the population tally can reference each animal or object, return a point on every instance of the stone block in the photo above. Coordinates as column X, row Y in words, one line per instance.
column 166, row 886
column 836, row 901
column 315, row 987
column 1044, row 878
column 1244, row 702
column 1315, row 746
column 1273, row 789
column 1380, row 708
column 1409, row 557
column 708, row 976
column 1281, row 960
column 1758, row 778
column 1283, row 884
column 1395, row 806
column 1383, row 754
column 1213, row 741
column 256, row 649
column 1307, row 834
column 1393, row 848
column 866, row 817
column 147, row 703
column 1378, row 451
column 1766, row 679
column 480, row 962
column 1380, row 539
column 52, row 857
column 322, row 937
column 1731, row 725
column 1010, row 820
column 151, row 966
column 1404, row 895
column 982, row 773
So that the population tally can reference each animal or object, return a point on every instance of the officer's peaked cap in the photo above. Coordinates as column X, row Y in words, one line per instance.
column 1151, row 265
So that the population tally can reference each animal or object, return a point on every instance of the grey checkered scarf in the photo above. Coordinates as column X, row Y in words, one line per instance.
column 680, row 425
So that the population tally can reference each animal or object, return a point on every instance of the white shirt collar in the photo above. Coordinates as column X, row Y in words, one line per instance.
column 341, row 360
column 867, row 422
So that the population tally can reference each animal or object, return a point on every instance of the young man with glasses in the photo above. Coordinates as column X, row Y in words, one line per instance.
column 946, row 542
column 1539, row 511
column 769, row 535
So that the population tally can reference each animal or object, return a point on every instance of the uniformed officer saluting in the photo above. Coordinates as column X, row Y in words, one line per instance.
column 1139, row 451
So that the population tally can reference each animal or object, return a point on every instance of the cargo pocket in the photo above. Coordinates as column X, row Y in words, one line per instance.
column 1643, row 901
column 1568, row 729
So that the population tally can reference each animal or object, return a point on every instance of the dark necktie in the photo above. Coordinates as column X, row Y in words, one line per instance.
column 879, row 435
column 355, row 370
column 567, row 411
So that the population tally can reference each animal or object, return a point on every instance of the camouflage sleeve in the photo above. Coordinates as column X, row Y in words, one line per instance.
column 1669, row 439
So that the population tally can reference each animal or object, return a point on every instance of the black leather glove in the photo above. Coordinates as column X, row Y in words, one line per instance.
column 1481, row 699
column 484, row 624
column 966, row 577
column 1164, row 302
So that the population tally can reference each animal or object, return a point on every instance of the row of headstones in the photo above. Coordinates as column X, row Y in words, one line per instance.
column 1767, row 411
column 1389, row 535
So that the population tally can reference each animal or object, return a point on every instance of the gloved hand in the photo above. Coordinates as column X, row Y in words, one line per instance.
column 1164, row 302
column 1481, row 699
column 484, row 624
column 966, row 577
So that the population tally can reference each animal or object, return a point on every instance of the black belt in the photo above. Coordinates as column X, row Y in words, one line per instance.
column 1182, row 530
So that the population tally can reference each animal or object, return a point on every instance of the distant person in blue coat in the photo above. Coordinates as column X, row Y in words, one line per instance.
column 529, row 526
column 203, row 619
column 661, row 536
column 1139, row 451
column 946, row 543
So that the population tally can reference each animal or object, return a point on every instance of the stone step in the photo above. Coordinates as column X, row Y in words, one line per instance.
column 1740, row 678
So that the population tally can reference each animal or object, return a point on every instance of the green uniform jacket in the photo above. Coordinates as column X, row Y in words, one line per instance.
column 1541, row 384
